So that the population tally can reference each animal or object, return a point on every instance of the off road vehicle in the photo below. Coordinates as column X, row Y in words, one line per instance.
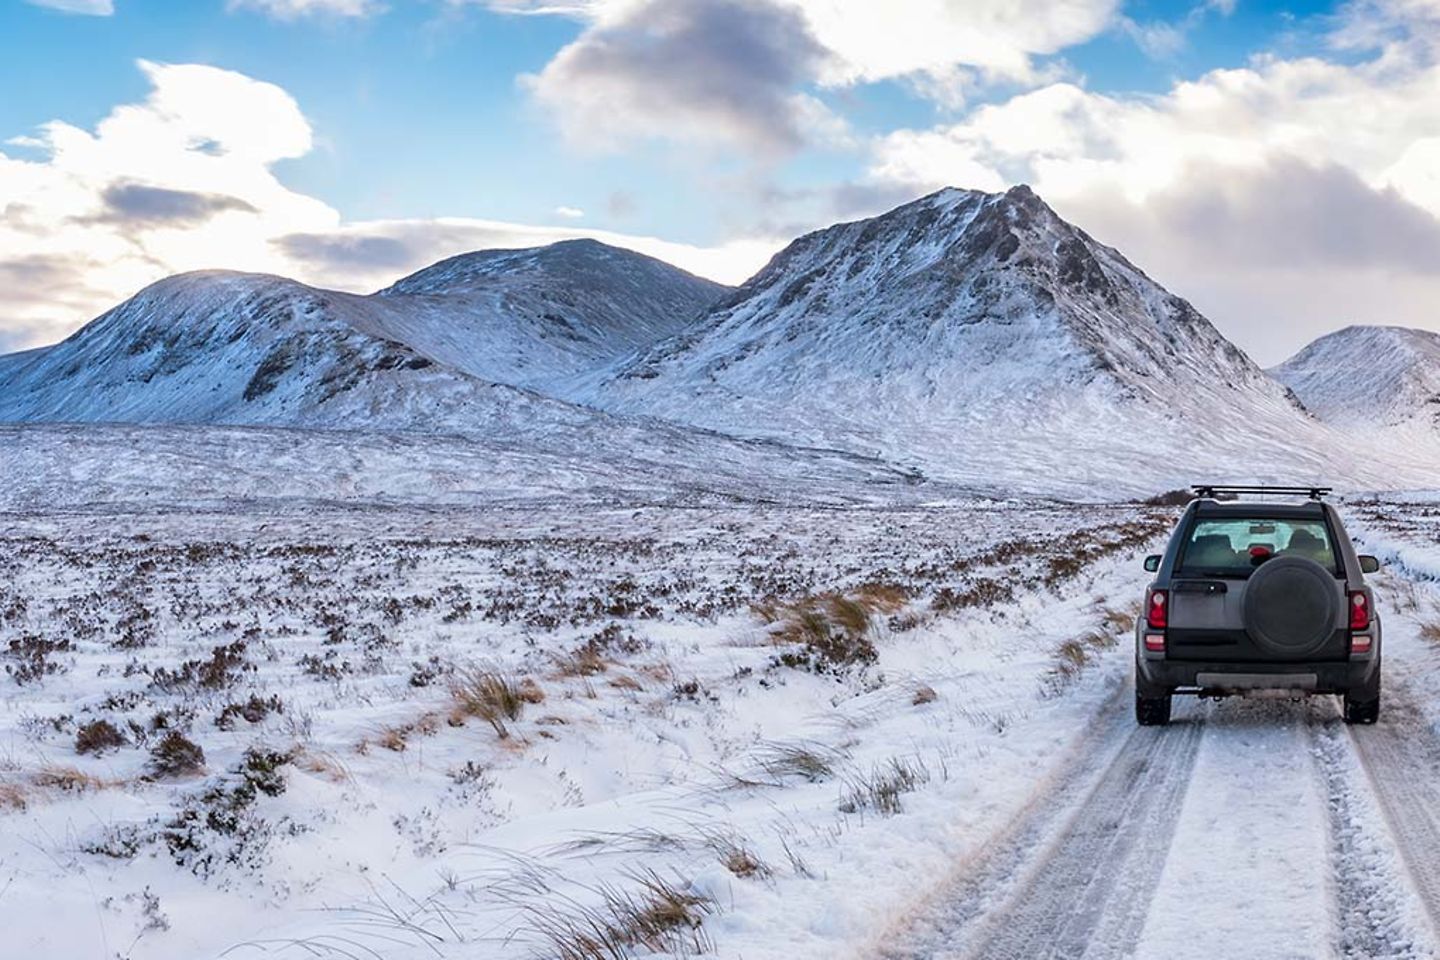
column 1258, row 599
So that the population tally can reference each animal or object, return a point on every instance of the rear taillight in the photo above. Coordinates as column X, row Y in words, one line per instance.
column 1359, row 610
column 1157, row 614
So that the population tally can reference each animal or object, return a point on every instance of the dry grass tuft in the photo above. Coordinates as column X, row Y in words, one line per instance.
column 882, row 597
column 394, row 738
column 1402, row 595
column 924, row 693
column 1119, row 621
column 68, row 779
column 737, row 857
column 13, row 797
column 585, row 660
column 1073, row 657
column 882, row 788
column 657, row 917
column 325, row 765
column 1430, row 632
column 832, row 632
column 490, row 696
column 812, row 762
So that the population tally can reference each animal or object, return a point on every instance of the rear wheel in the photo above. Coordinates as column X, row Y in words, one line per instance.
column 1361, row 711
column 1152, row 711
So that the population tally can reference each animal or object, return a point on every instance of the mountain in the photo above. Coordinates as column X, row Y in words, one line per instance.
column 1365, row 376
column 219, row 347
column 248, row 349
column 533, row 317
column 982, row 337
column 193, row 389
column 975, row 339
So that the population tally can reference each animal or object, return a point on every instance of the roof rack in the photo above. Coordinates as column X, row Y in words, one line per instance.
column 1211, row 489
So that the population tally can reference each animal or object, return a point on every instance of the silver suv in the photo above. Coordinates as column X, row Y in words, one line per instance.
column 1258, row 599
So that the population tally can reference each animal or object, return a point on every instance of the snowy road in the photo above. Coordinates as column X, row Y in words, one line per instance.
column 1243, row 829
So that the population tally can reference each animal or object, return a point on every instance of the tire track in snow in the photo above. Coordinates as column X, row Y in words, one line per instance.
column 1401, row 761
column 1374, row 916
column 1082, row 886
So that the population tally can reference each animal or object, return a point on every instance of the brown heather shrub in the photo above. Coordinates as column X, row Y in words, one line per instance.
column 97, row 736
column 176, row 755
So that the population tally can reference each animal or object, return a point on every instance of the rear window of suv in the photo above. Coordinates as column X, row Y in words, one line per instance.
column 1235, row 546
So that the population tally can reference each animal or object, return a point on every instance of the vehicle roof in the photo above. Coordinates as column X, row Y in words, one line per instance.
column 1259, row 508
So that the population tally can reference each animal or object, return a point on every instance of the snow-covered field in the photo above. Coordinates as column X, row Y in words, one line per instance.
column 675, row 718
column 752, row 730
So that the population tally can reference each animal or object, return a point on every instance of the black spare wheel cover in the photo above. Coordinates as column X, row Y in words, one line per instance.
column 1291, row 606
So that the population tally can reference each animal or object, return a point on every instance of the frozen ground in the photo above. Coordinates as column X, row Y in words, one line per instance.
column 749, row 729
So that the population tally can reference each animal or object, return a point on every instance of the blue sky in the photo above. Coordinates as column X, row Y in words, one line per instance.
column 420, row 112
column 710, row 131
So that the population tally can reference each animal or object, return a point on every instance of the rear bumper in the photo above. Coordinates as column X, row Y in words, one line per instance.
column 1165, row 676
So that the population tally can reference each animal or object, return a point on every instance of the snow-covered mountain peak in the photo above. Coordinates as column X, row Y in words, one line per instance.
column 958, row 285
column 225, row 346
column 569, row 263
column 1368, row 376
column 962, row 330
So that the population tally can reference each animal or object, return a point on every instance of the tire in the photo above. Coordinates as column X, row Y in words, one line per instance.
column 1152, row 711
column 1290, row 608
column 1361, row 711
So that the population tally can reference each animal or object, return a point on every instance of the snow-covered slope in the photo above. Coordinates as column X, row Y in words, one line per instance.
column 1365, row 376
column 985, row 338
column 240, row 348
column 229, row 348
column 532, row 317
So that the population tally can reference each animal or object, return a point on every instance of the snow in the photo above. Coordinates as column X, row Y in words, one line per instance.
column 631, row 768
column 429, row 354
column 1368, row 376
column 984, row 340
column 597, row 460
column 1254, row 806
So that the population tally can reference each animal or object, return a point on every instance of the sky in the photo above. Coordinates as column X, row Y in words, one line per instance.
column 1276, row 162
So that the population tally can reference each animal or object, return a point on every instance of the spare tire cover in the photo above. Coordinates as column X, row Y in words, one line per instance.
column 1292, row 606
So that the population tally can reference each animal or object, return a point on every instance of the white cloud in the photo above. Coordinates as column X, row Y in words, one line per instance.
column 570, row 213
column 878, row 41
column 295, row 9
column 716, row 71
column 738, row 71
column 90, row 8
column 183, row 181
column 1192, row 184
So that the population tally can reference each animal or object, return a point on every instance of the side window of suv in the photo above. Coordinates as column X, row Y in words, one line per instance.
column 1234, row 546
